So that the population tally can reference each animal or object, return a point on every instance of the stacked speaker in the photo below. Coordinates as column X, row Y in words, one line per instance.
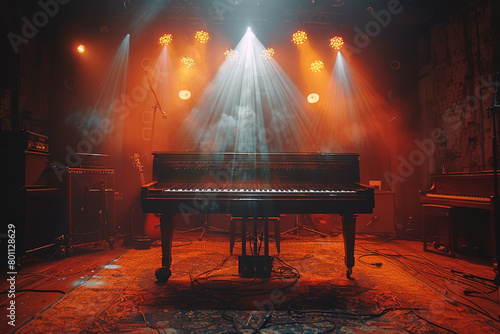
column 76, row 207
column 27, row 201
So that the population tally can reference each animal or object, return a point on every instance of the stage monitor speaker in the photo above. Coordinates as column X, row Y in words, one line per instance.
column 89, row 205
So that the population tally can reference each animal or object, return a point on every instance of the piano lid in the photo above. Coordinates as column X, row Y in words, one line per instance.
column 270, row 167
column 463, row 183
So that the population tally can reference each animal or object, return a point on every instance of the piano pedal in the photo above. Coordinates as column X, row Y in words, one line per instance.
column 259, row 266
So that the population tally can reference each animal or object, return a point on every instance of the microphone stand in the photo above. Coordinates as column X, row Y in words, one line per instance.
column 156, row 106
column 496, row 199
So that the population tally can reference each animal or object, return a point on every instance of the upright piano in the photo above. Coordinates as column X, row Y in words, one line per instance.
column 451, row 196
column 255, row 185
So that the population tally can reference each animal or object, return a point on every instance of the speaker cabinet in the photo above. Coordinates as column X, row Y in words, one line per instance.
column 33, row 213
column 382, row 218
column 89, row 205
column 380, row 221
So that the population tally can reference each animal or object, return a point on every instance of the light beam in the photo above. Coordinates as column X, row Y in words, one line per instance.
column 250, row 106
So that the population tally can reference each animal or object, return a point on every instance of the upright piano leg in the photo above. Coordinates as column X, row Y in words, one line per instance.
column 349, row 231
column 167, row 231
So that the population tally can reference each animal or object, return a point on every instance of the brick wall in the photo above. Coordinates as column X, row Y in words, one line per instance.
column 456, row 85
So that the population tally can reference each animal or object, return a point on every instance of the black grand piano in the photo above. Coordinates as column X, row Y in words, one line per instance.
column 255, row 185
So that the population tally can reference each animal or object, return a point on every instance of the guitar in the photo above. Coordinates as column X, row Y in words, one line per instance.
column 151, row 223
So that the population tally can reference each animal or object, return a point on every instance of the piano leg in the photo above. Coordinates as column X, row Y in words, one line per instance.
column 349, row 231
column 167, row 231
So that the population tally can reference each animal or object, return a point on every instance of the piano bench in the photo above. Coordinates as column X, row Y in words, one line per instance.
column 439, row 229
column 255, row 220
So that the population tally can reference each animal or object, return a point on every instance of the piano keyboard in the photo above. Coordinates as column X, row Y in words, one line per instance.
column 256, row 188
column 461, row 197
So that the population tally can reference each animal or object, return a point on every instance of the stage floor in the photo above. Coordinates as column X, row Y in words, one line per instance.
column 395, row 288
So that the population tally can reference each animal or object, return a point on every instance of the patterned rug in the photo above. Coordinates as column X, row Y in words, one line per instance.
column 308, row 292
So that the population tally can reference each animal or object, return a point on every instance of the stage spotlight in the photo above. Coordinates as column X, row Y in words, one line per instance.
column 299, row 37
column 184, row 94
column 202, row 36
column 80, row 48
column 188, row 62
column 336, row 42
column 313, row 98
column 316, row 66
column 165, row 40
column 231, row 54
column 267, row 54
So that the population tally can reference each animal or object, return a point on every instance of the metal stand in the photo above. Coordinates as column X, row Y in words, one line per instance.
column 308, row 227
column 103, row 212
column 206, row 227
column 496, row 199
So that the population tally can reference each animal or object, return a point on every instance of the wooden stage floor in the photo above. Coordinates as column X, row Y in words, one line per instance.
column 395, row 288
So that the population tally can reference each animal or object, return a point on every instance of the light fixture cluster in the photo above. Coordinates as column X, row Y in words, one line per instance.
column 316, row 66
column 202, row 36
column 231, row 54
column 336, row 42
column 268, row 53
column 299, row 37
column 165, row 40
column 188, row 62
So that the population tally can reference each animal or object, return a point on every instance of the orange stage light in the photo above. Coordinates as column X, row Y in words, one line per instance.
column 80, row 48
column 165, row 40
column 202, row 36
column 188, row 62
column 184, row 94
column 268, row 53
column 317, row 66
column 299, row 37
column 336, row 42
column 313, row 98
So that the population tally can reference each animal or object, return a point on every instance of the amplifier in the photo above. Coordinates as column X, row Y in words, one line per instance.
column 24, row 140
column 24, row 159
column 88, row 201
column 380, row 221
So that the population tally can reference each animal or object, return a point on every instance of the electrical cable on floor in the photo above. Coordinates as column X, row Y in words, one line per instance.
column 432, row 266
column 160, row 329
column 427, row 320
column 285, row 271
column 187, row 243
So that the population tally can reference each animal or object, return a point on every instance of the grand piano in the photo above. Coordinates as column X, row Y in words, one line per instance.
column 255, row 185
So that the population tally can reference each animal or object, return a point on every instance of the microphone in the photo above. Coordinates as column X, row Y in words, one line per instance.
column 163, row 114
